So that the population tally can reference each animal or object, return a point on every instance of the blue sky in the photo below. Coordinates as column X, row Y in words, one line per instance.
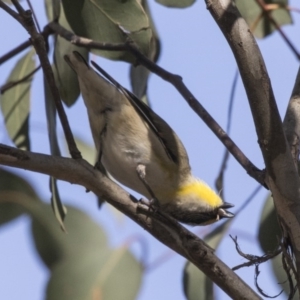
column 194, row 48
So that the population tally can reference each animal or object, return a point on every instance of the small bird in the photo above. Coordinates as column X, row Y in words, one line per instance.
column 140, row 150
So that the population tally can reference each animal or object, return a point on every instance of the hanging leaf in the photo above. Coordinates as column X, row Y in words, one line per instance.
column 269, row 232
column 96, row 276
column 139, row 74
column 195, row 283
column 15, row 102
column 110, row 21
column 51, row 119
column 281, row 274
column 88, row 151
column 58, row 208
column 83, row 235
column 56, row 203
column 65, row 77
column 67, row 80
column 52, row 9
column 258, row 22
column 81, row 263
column 16, row 186
column 176, row 3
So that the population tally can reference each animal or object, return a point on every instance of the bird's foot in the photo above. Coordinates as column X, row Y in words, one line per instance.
column 148, row 206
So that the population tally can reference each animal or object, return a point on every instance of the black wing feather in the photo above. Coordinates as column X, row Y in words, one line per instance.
column 143, row 110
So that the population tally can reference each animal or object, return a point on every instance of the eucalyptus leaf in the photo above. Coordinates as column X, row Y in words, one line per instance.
column 58, row 208
column 88, row 151
column 12, row 187
column 139, row 74
column 280, row 274
column 110, row 21
column 81, row 263
column 52, row 9
column 105, row 275
column 269, row 232
column 56, row 203
column 51, row 119
column 7, row 2
column 67, row 80
column 259, row 23
column 196, row 284
column 84, row 236
column 15, row 102
column 177, row 3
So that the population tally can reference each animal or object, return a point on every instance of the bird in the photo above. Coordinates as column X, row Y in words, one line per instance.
column 141, row 151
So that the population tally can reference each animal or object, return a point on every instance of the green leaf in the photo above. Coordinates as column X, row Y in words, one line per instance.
column 196, row 284
column 15, row 103
column 12, row 187
column 84, row 235
column 51, row 119
column 258, row 22
column 66, row 78
column 105, row 275
column 110, row 21
column 139, row 74
column 82, row 264
column 52, row 9
column 88, row 151
column 269, row 232
column 56, row 203
column 58, row 208
column 7, row 2
column 176, row 3
column 280, row 274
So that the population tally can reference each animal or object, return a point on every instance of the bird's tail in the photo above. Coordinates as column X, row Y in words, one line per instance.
column 77, row 62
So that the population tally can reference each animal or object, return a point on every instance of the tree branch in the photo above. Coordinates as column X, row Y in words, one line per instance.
column 11, row 84
column 25, row 18
column 291, row 123
column 45, row 33
column 10, row 11
column 166, row 230
column 175, row 80
column 282, row 177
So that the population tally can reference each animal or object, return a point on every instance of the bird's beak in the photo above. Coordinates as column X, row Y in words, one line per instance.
column 226, row 205
column 223, row 213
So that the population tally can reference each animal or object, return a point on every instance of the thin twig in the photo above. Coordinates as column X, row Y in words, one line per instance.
column 10, row 11
column 4, row 88
column 287, row 269
column 220, row 178
column 175, row 80
column 253, row 259
column 257, row 272
column 39, row 44
column 85, row 42
column 172, row 234
column 34, row 15
column 45, row 33
column 18, row 7
column 15, row 51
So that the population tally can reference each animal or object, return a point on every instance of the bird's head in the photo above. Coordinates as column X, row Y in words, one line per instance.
column 197, row 204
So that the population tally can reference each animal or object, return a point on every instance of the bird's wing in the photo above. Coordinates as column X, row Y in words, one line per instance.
column 170, row 142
